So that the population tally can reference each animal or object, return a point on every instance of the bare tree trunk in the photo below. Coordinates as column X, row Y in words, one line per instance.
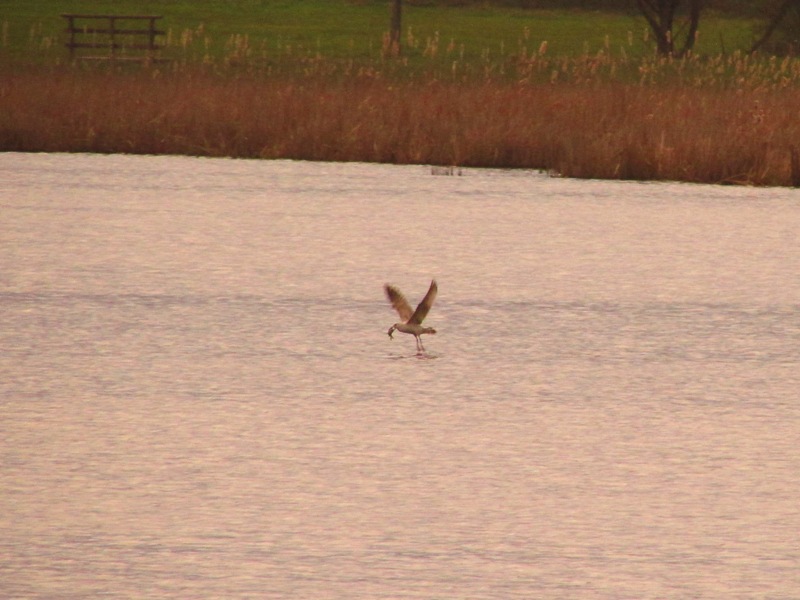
column 660, row 16
column 395, row 26
column 695, row 7
column 773, row 24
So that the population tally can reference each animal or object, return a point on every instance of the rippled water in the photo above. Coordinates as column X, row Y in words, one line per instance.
column 199, row 398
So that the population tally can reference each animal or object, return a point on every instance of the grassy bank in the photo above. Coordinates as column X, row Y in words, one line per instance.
column 32, row 31
column 614, row 131
column 573, row 92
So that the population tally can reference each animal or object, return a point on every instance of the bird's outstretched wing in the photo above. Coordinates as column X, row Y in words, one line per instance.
column 399, row 302
column 424, row 306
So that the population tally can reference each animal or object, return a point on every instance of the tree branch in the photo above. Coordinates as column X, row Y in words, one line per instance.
column 773, row 25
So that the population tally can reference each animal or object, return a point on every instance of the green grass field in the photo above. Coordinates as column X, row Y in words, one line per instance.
column 354, row 29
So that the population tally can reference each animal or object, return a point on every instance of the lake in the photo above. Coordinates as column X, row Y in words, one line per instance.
column 200, row 399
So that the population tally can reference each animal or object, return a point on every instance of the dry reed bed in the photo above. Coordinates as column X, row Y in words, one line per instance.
column 609, row 131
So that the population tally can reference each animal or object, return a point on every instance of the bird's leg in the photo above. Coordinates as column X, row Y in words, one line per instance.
column 420, row 347
column 391, row 329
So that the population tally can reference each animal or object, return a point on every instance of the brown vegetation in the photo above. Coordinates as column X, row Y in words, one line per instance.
column 613, row 130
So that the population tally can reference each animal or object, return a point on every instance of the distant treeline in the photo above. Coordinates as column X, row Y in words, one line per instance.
column 732, row 7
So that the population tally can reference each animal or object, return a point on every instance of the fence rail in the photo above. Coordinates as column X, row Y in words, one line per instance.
column 115, row 33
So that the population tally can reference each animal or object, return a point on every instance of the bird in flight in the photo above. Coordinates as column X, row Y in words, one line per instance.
column 411, row 320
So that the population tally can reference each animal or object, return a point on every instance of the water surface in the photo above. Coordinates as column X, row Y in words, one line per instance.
column 199, row 398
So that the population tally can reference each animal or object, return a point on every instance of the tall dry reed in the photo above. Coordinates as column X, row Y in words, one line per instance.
column 614, row 130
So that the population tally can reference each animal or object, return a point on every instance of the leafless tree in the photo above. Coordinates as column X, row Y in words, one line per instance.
column 674, row 35
column 777, row 18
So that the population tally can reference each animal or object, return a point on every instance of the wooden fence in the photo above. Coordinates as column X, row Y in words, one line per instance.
column 124, row 37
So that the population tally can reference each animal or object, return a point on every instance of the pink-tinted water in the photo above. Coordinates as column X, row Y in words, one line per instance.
column 199, row 399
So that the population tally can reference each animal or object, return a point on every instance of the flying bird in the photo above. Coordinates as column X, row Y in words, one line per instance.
column 411, row 320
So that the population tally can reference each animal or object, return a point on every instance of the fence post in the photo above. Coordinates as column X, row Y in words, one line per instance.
column 71, row 26
column 152, row 39
column 112, row 27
